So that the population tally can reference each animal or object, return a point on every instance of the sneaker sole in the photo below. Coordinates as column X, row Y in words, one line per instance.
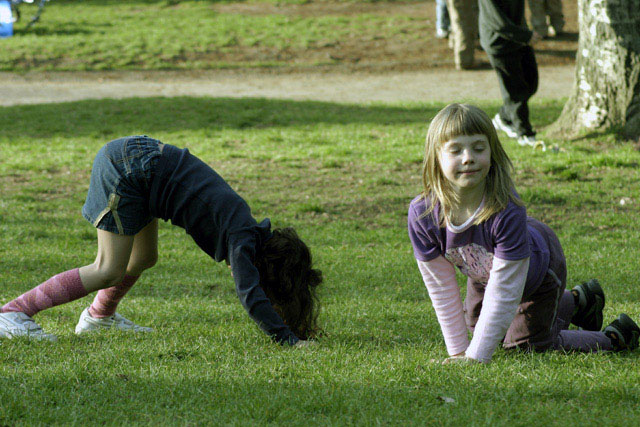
column 618, row 326
column 92, row 327
column 80, row 331
column 498, row 125
column 9, row 336
column 592, row 320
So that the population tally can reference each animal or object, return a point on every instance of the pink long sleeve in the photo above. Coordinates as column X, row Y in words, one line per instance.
column 440, row 279
column 501, row 298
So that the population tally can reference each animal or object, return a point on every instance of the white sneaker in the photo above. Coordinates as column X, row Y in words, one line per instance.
column 499, row 124
column 15, row 324
column 442, row 33
column 527, row 140
column 87, row 323
column 531, row 141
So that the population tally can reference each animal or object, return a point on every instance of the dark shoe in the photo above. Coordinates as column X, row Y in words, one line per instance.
column 590, row 305
column 623, row 333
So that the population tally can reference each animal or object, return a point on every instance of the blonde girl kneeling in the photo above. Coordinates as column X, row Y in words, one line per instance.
column 470, row 216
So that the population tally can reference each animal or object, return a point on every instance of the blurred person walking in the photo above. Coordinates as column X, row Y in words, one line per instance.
column 464, row 31
column 547, row 18
column 443, row 24
column 508, row 42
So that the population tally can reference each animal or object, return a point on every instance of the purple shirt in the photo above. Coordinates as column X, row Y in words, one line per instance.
column 506, row 235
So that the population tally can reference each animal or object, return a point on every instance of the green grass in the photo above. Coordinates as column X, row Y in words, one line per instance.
column 150, row 35
column 343, row 175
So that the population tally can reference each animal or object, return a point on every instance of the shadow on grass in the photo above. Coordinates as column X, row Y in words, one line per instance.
column 202, row 401
column 111, row 118
column 67, row 30
column 558, row 53
column 567, row 36
column 125, row 396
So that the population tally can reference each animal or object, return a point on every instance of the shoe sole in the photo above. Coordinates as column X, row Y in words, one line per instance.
column 526, row 143
column 618, row 326
column 88, row 330
column 92, row 327
column 592, row 320
column 499, row 126
column 85, row 325
column 38, row 337
column 628, row 323
column 9, row 336
column 100, row 328
column 598, row 293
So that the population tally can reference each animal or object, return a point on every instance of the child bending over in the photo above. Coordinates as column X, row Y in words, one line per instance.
column 135, row 181
column 470, row 216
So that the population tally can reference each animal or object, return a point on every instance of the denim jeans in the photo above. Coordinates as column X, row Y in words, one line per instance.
column 118, row 197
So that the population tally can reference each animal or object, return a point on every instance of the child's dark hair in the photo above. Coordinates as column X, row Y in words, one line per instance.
column 289, row 281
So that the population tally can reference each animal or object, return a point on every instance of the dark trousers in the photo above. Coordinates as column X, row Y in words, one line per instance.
column 518, row 79
column 543, row 318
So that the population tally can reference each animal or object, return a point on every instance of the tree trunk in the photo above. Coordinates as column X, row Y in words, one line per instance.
column 606, row 92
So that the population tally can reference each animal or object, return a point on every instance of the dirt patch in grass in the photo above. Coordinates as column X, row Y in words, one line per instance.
column 308, row 10
column 350, row 191
column 367, row 53
column 39, row 184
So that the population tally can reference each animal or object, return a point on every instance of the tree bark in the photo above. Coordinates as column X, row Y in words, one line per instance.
column 606, row 92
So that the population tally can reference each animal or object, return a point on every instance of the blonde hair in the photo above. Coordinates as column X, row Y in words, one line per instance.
column 452, row 121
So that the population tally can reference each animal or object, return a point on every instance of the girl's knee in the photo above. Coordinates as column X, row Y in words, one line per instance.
column 142, row 264
column 98, row 276
column 110, row 275
column 152, row 261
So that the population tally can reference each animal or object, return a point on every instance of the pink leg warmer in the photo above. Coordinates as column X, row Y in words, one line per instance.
column 59, row 289
column 106, row 301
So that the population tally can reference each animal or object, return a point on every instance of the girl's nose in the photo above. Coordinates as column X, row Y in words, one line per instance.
column 467, row 157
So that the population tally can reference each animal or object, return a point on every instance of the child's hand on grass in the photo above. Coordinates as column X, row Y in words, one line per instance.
column 459, row 358
column 305, row 343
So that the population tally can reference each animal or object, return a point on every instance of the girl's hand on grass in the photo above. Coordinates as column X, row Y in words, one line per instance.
column 459, row 360
column 305, row 343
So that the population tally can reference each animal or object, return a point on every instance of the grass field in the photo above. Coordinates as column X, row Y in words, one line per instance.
column 111, row 34
column 343, row 175
column 264, row 34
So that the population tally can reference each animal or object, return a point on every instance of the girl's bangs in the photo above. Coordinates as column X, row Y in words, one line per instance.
column 462, row 123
